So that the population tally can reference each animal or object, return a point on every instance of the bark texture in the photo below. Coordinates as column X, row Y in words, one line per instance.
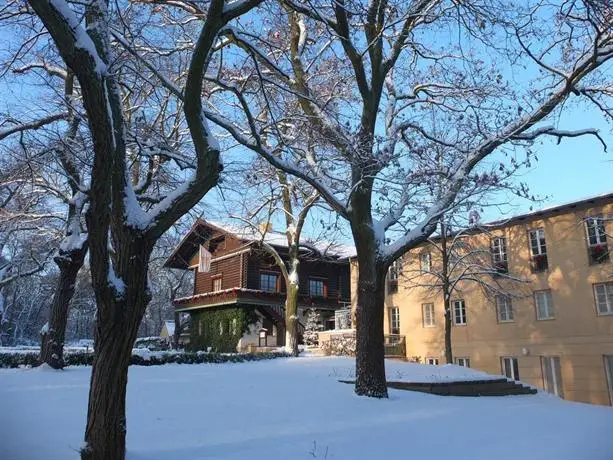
column 291, row 319
column 52, row 340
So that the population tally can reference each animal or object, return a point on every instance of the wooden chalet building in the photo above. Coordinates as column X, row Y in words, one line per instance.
column 238, row 304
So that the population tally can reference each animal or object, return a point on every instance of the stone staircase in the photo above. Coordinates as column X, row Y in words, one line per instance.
column 493, row 387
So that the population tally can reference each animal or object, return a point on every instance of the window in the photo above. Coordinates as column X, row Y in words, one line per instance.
column 394, row 314
column 552, row 375
column 221, row 328
column 427, row 310
column 395, row 270
column 538, row 250
column 217, row 283
column 392, row 276
column 317, row 288
column 268, row 282
column 604, row 298
column 459, row 313
column 425, row 261
column 597, row 240
column 504, row 309
column 267, row 324
column 608, row 369
column 464, row 362
column 217, row 244
column 544, row 304
column 432, row 361
column 234, row 326
column 499, row 254
column 510, row 368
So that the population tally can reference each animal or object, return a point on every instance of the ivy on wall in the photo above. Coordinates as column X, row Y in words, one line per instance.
column 220, row 329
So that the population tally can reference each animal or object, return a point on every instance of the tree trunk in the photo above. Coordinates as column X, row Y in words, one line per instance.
column 370, row 351
column 118, row 318
column 291, row 319
column 52, row 340
column 448, row 351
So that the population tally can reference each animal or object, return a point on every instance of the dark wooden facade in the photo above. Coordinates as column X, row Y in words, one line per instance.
column 239, row 262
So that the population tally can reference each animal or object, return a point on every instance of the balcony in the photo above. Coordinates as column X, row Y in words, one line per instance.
column 598, row 254
column 501, row 267
column 539, row 263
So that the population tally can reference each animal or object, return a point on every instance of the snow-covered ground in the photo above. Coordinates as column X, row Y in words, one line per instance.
column 296, row 409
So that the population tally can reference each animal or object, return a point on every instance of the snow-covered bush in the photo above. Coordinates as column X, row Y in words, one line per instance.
column 340, row 346
column 13, row 360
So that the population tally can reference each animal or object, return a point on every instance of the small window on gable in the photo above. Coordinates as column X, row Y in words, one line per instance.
column 425, row 261
column 217, row 244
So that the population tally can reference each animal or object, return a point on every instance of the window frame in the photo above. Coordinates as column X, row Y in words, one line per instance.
column 600, row 231
column 394, row 316
column 608, row 370
column 514, row 367
column 539, row 260
column 465, row 360
column 217, row 279
column 550, row 305
column 428, row 259
column 270, row 274
column 423, row 315
column 608, row 299
column 508, row 308
column 464, row 316
column 556, row 372
column 313, row 279
column 431, row 361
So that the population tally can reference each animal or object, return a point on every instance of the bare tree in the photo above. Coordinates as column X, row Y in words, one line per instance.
column 412, row 66
column 121, row 234
column 454, row 258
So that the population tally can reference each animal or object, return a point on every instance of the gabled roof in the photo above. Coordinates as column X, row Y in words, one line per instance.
column 202, row 230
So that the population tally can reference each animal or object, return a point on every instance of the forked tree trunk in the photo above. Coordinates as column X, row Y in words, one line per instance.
column 291, row 319
column 370, row 351
column 52, row 340
column 117, row 321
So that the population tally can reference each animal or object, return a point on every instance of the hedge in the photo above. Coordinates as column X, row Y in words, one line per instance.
column 14, row 360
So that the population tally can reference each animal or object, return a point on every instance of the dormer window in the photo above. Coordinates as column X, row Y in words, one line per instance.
column 598, row 250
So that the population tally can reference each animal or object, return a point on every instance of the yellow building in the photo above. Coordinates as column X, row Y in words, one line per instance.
column 556, row 329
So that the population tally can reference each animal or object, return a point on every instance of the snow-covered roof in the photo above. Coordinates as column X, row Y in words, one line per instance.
column 552, row 209
column 279, row 239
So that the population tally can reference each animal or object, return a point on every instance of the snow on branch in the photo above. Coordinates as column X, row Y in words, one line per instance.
column 33, row 125
column 560, row 134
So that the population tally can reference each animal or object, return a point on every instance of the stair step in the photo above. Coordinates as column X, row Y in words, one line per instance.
column 495, row 387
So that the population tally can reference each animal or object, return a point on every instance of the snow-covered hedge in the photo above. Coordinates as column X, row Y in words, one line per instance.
column 339, row 346
column 12, row 360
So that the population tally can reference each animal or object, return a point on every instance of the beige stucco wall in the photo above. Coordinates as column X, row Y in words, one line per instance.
column 577, row 334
